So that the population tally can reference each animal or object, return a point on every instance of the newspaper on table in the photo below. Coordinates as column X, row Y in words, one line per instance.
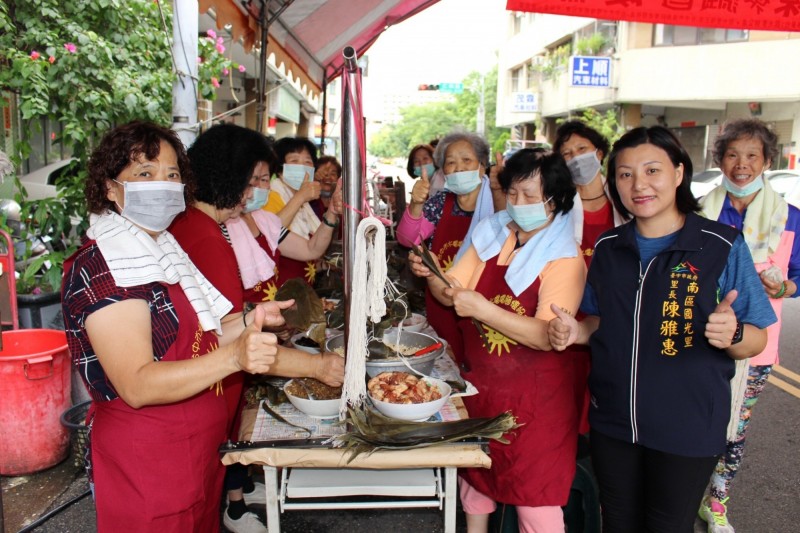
column 268, row 428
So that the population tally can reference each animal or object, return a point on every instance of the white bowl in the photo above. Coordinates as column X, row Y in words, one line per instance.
column 314, row 408
column 415, row 322
column 414, row 411
column 308, row 349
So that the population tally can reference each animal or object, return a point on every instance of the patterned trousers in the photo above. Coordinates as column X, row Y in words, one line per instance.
column 728, row 464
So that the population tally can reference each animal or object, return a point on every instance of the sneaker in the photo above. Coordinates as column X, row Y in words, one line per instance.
column 715, row 514
column 247, row 523
column 258, row 496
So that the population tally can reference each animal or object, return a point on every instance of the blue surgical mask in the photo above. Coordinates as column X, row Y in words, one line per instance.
column 429, row 168
column 293, row 175
column 740, row 192
column 258, row 200
column 528, row 216
column 463, row 182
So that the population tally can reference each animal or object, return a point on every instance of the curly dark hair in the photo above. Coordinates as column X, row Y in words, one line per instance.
column 660, row 137
column 579, row 128
column 556, row 178
column 746, row 128
column 223, row 160
column 410, row 166
column 122, row 146
column 290, row 145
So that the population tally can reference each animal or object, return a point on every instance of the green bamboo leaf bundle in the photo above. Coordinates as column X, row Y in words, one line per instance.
column 372, row 431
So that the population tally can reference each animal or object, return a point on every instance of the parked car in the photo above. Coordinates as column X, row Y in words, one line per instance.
column 41, row 183
column 782, row 181
column 705, row 181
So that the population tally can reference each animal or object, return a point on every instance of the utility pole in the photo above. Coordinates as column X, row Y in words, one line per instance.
column 480, row 126
column 184, row 51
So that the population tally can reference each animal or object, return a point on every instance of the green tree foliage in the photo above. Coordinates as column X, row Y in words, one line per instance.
column 421, row 123
column 87, row 66
column 606, row 123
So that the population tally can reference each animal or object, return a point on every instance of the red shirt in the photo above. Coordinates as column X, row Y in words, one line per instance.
column 595, row 223
column 201, row 238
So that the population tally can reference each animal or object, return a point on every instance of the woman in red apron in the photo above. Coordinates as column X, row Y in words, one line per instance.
column 291, row 191
column 140, row 323
column 446, row 219
column 520, row 262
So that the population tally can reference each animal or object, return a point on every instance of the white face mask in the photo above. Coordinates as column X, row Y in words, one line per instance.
column 584, row 168
column 293, row 175
column 152, row 205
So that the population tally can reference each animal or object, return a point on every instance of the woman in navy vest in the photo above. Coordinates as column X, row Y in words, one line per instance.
column 672, row 300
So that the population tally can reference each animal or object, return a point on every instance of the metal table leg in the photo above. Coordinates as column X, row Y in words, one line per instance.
column 450, row 499
column 271, row 480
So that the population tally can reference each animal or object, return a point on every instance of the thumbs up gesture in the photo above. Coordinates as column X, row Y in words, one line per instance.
column 495, row 170
column 421, row 189
column 309, row 189
column 336, row 206
column 255, row 350
column 562, row 331
column 721, row 324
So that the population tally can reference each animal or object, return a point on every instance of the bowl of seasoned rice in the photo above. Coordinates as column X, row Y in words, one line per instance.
column 384, row 356
column 404, row 396
column 323, row 403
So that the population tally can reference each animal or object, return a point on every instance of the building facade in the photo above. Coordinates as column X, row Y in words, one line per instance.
column 689, row 79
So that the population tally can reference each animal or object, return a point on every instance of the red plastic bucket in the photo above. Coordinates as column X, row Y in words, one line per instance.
column 34, row 391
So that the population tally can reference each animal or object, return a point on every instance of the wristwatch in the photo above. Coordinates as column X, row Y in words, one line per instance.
column 738, row 334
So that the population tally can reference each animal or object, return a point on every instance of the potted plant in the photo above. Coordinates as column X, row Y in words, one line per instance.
column 56, row 223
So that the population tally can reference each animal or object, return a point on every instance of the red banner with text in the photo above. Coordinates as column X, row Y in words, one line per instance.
column 777, row 15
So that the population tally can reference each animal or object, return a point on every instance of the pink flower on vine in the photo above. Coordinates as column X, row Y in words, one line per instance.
column 36, row 290
column 51, row 59
column 70, row 47
column 242, row 68
column 199, row 60
column 35, row 55
column 215, row 82
column 212, row 34
column 220, row 41
column 225, row 72
column 220, row 48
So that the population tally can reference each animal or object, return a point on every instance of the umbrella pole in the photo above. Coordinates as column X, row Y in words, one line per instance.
column 353, row 171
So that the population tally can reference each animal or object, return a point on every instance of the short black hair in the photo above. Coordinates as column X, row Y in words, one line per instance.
column 223, row 160
column 325, row 159
column 663, row 138
column 556, row 178
column 291, row 145
column 579, row 128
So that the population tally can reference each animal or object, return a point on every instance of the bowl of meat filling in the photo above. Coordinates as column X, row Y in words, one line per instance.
column 313, row 397
column 386, row 355
column 404, row 396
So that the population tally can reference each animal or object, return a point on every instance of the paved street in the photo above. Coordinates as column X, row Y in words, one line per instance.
column 764, row 498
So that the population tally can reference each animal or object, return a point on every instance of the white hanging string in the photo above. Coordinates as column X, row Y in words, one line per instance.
column 366, row 301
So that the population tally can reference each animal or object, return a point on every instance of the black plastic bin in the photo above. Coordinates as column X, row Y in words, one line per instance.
column 74, row 419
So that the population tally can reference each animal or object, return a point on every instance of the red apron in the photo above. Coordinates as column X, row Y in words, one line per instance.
column 450, row 233
column 292, row 268
column 537, row 467
column 264, row 291
column 157, row 468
